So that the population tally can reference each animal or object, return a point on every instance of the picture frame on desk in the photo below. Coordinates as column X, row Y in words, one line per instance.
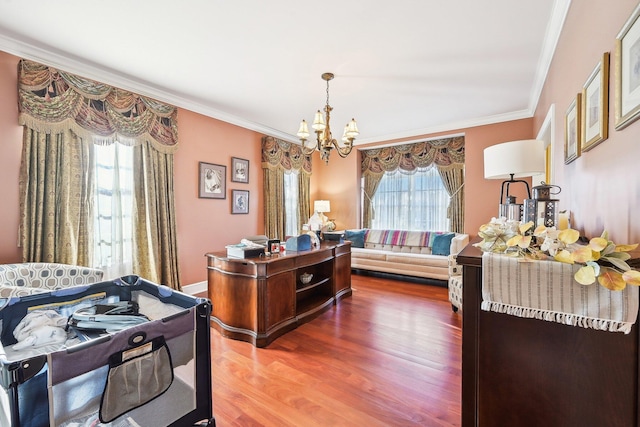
column 273, row 246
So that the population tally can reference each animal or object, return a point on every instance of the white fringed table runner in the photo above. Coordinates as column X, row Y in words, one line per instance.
column 546, row 290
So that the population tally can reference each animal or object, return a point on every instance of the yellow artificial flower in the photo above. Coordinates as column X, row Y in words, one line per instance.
column 585, row 275
column 611, row 279
column 568, row 236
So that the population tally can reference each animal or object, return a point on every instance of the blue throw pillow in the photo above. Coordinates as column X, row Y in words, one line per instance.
column 356, row 237
column 442, row 244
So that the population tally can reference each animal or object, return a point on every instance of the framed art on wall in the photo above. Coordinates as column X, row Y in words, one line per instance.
column 212, row 181
column 595, row 106
column 628, row 72
column 239, row 170
column 572, row 130
column 239, row 202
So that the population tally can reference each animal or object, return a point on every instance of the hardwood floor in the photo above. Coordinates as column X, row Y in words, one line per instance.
column 390, row 355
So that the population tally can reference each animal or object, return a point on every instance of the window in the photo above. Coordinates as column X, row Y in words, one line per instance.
column 411, row 201
column 113, row 198
column 291, row 198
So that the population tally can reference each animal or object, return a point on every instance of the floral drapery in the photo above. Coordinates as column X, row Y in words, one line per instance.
column 443, row 152
column 278, row 158
column 279, row 154
column 55, row 198
column 61, row 112
column 446, row 153
column 52, row 101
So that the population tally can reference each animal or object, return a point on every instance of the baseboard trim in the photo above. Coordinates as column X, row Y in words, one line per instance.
column 195, row 288
column 404, row 278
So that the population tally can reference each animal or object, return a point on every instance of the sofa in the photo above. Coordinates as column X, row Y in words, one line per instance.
column 424, row 254
column 38, row 277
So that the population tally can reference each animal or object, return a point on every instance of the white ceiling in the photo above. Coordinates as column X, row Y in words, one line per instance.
column 403, row 68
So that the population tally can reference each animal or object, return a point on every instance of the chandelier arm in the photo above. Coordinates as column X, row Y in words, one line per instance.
column 343, row 151
column 307, row 150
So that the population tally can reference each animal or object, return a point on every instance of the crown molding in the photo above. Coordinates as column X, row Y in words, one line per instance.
column 552, row 36
column 54, row 58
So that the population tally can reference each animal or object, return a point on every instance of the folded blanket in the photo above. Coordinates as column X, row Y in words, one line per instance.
column 546, row 290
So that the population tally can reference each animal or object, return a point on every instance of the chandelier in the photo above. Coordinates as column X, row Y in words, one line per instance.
column 324, row 140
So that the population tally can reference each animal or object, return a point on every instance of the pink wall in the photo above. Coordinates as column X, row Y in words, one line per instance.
column 602, row 187
column 206, row 225
column 482, row 196
column 10, row 149
column 339, row 183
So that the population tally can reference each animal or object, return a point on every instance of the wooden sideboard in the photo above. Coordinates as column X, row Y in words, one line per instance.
column 528, row 372
column 258, row 299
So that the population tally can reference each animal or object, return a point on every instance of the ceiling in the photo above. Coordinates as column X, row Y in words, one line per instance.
column 403, row 68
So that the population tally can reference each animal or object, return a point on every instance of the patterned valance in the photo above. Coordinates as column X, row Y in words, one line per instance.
column 52, row 100
column 277, row 153
column 408, row 157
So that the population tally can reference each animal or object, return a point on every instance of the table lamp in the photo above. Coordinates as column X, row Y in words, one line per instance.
column 322, row 206
column 510, row 160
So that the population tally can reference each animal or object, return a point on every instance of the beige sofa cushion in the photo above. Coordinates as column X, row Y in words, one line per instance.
column 369, row 254
column 418, row 259
column 406, row 253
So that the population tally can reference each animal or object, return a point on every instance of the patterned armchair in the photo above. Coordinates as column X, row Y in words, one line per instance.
column 39, row 277
column 455, row 284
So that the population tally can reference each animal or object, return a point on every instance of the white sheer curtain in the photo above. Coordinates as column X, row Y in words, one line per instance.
column 291, row 199
column 414, row 200
column 113, row 224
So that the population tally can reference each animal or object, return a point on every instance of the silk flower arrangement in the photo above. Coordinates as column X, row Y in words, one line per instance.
column 601, row 259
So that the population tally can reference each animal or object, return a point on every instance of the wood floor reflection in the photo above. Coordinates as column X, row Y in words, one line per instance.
column 390, row 355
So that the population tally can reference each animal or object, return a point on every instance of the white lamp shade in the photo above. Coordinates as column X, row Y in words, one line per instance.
column 345, row 138
column 521, row 158
column 322, row 206
column 352, row 129
column 303, row 131
column 318, row 122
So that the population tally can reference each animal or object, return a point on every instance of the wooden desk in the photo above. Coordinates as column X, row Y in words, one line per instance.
column 529, row 372
column 258, row 299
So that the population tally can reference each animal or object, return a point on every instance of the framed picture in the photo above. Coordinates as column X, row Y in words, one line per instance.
column 595, row 106
column 239, row 170
column 628, row 72
column 572, row 130
column 239, row 201
column 213, row 181
column 273, row 246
